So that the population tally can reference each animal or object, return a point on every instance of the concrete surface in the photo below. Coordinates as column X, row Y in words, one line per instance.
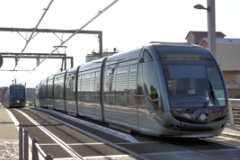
column 8, row 137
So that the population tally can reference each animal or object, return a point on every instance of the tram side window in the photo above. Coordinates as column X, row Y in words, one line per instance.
column 44, row 90
column 132, row 85
column 70, row 86
column 83, row 88
column 122, row 86
column 91, row 88
column 56, row 89
column 87, row 87
column 216, row 84
column 49, row 88
column 80, row 87
column 151, row 83
column 61, row 81
column 110, row 86
column 59, row 88
column 147, row 56
column 97, row 87
column 41, row 91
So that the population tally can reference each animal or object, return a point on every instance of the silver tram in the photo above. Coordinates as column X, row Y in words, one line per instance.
column 161, row 89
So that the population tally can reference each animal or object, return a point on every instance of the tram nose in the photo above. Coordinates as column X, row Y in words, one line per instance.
column 199, row 115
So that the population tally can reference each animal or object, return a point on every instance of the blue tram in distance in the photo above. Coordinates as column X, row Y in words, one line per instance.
column 160, row 89
column 16, row 96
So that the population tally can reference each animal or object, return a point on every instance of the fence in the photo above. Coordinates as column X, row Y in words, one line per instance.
column 26, row 149
column 234, row 108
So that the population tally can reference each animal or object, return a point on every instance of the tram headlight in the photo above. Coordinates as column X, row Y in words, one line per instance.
column 203, row 117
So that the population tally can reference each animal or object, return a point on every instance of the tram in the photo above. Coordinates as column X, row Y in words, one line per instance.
column 160, row 89
column 15, row 96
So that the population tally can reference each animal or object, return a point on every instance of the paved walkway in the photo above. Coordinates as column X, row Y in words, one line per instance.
column 232, row 132
column 8, row 137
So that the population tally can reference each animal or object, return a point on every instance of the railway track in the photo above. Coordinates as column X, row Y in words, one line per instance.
column 67, row 137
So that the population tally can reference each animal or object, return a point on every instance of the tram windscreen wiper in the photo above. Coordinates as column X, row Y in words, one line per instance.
column 212, row 94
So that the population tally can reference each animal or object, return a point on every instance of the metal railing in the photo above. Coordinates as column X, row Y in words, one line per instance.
column 234, row 112
column 33, row 148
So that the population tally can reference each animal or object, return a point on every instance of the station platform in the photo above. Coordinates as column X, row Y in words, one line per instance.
column 231, row 132
column 9, row 136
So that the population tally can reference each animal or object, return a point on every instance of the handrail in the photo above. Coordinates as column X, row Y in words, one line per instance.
column 24, row 147
column 234, row 112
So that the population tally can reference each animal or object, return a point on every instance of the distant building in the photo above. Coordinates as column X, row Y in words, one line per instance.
column 195, row 37
column 3, row 91
column 227, row 55
column 95, row 55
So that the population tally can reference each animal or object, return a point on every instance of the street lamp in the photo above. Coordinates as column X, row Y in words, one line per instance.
column 199, row 6
column 211, row 24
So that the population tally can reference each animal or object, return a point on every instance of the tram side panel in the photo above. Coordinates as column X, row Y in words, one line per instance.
column 43, row 93
column 89, row 90
column 120, row 90
column 37, row 94
column 59, row 92
column 152, row 108
column 70, row 91
column 49, row 93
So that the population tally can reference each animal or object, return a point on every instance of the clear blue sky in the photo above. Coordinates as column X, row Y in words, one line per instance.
column 128, row 24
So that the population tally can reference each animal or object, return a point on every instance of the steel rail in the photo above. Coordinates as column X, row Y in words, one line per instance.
column 131, row 153
column 60, row 142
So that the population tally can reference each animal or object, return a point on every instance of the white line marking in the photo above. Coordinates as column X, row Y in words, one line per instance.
column 15, row 121
column 67, row 148
column 108, row 157
column 82, row 144
column 161, row 153
column 70, row 144
column 96, row 137
column 94, row 126
column 231, row 134
column 69, row 158
column 228, row 138
column 144, row 142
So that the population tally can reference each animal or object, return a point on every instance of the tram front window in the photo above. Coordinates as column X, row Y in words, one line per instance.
column 194, row 83
column 15, row 93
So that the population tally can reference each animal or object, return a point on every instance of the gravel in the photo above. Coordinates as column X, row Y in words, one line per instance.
column 8, row 149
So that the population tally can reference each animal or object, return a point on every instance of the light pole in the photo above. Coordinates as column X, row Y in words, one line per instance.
column 211, row 24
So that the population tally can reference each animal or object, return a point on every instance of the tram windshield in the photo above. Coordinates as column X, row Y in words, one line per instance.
column 193, row 80
column 17, row 93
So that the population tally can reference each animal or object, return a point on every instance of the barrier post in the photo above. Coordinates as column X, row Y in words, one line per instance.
column 34, row 149
column 20, row 143
column 231, row 114
column 25, row 148
column 49, row 157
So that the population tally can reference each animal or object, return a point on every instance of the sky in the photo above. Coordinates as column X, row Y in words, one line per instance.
column 126, row 25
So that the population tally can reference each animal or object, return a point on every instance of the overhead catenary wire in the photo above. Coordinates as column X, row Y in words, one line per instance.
column 34, row 30
column 80, row 29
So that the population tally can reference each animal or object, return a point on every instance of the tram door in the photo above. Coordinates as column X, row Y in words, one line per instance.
column 148, row 95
